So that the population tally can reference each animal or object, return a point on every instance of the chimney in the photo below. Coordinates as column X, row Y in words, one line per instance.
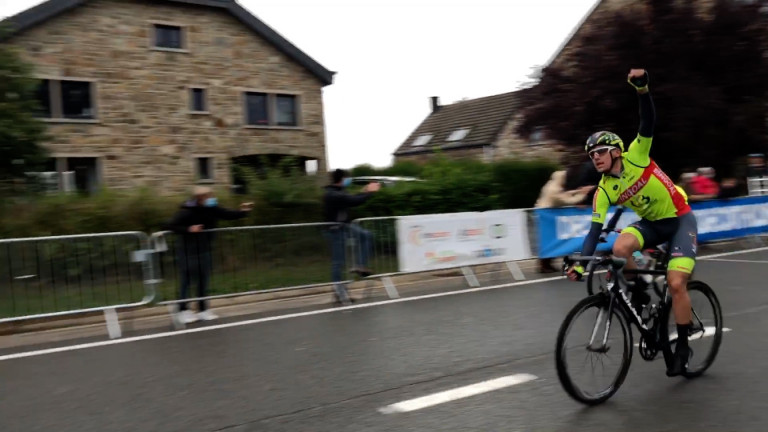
column 435, row 103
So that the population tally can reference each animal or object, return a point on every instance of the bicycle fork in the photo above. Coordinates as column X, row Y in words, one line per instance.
column 604, row 315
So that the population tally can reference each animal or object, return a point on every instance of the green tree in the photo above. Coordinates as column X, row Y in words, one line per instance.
column 707, row 68
column 21, row 132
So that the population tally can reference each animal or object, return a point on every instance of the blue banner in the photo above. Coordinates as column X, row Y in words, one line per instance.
column 561, row 231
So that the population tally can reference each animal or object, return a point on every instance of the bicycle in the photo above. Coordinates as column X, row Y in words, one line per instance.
column 657, row 333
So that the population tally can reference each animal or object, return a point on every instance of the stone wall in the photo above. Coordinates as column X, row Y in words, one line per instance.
column 143, row 132
column 510, row 145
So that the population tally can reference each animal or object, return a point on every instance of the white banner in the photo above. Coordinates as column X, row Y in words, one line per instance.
column 429, row 242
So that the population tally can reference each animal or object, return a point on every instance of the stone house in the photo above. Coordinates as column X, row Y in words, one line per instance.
column 168, row 93
column 482, row 128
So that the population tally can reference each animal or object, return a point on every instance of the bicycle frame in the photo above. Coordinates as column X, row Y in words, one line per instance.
column 617, row 296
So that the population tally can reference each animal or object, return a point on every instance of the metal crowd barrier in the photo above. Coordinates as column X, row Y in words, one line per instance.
column 246, row 260
column 57, row 276
column 757, row 186
column 44, row 277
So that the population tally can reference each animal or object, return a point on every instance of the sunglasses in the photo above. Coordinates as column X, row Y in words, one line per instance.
column 599, row 152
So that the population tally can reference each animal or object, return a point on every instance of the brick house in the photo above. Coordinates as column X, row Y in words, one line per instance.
column 168, row 93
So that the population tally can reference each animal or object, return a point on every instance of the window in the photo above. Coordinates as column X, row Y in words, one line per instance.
column 66, row 99
column 168, row 36
column 286, row 110
column 204, row 168
column 458, row 134
column 422, row 140
column 198, row 100
column 76, row 100
column 256, row 109
column 310, row 166
column 537, row 136
column 44, row 99
column 264, row 109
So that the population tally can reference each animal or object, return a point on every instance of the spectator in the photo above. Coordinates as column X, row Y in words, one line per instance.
column 194, row 246
column 756, row 165
column 685, row 182
column 553, row 194
column 336, row 205
column 703, row 185
column 729, row 188
column 581, row 175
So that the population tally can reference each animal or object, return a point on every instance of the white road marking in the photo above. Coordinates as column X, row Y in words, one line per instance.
column 457, row 393
column 722, row 254
column 708, row 331
column 738, row 261
column 303, row 314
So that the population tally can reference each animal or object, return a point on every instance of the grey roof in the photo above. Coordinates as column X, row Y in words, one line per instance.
column 485, row 118
column 52, row 8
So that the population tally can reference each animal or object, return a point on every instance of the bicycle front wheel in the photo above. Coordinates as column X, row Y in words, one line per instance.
column 590, row 339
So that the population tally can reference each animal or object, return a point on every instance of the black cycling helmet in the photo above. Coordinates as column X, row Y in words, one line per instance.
column 603, row 139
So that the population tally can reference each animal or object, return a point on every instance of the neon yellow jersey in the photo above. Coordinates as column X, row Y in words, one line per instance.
column 643, row 187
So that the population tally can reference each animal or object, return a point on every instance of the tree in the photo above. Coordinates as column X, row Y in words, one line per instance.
column 707, row 68
column 21, row 132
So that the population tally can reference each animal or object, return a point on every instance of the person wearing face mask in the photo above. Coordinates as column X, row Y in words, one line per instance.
column 194, row 244
column 336, row 204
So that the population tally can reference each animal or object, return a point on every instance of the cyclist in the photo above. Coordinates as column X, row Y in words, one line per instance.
column 633, row 179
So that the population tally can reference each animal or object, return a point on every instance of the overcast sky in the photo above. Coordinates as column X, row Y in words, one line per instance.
column 392, row 55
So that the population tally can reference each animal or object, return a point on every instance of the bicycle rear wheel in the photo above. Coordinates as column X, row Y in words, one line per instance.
column 706, row 332
column 580, row 345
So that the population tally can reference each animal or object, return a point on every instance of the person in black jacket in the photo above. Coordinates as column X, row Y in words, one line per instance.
column 336, row 205
column 194, row 243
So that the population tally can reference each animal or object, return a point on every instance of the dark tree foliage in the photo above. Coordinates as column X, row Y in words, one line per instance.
column 20, row 131
column 709, row 79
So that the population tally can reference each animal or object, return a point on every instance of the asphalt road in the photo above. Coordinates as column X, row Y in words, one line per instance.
column 336, row 370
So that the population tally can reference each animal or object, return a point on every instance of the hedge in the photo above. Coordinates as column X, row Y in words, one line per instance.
column 283, row 197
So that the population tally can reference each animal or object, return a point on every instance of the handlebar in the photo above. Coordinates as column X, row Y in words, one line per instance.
column 601, row 260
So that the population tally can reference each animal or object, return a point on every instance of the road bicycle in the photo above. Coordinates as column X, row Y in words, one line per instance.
column 611, row 309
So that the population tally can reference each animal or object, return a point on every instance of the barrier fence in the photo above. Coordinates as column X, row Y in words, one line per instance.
column 245, row 260
column 54, row 276
column 383, row 256
column 757, row 186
